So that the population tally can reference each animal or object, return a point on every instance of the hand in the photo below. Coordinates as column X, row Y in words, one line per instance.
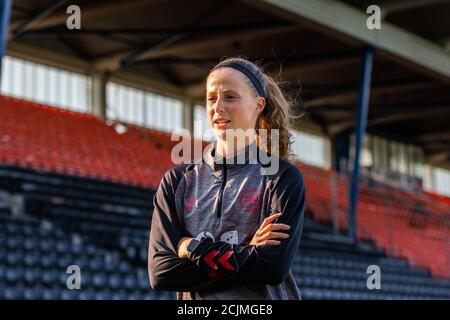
column 266, row 234
column 182, row 247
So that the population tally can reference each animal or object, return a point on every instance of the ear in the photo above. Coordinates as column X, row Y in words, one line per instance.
column 260, row 105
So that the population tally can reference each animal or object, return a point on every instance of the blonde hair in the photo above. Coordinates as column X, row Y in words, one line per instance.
column 277, row 113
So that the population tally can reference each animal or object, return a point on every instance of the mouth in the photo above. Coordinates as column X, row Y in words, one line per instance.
column 221, row 123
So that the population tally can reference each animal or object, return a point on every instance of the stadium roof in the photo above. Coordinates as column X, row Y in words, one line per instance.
column 170, row 45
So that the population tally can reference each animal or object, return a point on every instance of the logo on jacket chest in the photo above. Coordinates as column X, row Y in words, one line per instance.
column 248, row 200
column 190, row 204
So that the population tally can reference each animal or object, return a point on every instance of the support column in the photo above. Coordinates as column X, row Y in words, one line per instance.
column 328, row 153
column 5, row 13
column 341, row 151
column 360, row 129
column 188, row 115
column 98, row 94
column 428, row 181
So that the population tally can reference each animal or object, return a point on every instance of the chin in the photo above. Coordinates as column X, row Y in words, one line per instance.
column 220, row 134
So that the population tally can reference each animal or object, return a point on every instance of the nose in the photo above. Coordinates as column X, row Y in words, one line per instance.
column 219, row 105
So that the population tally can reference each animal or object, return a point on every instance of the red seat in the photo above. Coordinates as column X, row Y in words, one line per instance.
column 43, row 137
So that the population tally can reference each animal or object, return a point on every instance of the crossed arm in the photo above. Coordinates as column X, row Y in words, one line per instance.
column 265, row 260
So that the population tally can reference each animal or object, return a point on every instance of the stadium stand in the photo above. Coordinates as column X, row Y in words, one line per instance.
column 74, row 191
column 440, row 198
column 78, row 143
column 403, row 224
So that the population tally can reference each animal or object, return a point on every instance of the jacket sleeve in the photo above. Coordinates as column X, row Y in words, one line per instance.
column 166, row 270
column 264, row 264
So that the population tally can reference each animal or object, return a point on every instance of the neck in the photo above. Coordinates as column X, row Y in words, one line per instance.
column 228, row 148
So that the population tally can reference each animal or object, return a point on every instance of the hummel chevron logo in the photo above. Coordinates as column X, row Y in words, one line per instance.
column 223, row 260
column 209, row 259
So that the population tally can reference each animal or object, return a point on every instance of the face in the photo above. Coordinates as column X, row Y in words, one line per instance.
column 230, row 102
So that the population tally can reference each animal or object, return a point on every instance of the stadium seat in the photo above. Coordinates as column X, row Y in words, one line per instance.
column 81, row 209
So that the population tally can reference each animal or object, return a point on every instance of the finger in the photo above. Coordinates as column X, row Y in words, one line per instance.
column 267, row 221
column 270, row 219
column 273, row 216
column 275, row 235
column 279, row 226
column 273, row 227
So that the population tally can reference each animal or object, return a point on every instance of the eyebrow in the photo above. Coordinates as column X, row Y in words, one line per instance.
column 225, row 91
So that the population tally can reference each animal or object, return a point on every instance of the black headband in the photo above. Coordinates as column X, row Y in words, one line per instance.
column 248, row 73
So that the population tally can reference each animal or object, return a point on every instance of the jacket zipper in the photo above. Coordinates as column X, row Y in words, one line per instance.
column 219, row 204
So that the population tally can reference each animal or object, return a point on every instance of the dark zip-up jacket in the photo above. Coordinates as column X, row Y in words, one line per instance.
column 222, row 205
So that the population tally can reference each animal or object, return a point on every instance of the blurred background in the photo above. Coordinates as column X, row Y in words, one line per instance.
column 91, row 91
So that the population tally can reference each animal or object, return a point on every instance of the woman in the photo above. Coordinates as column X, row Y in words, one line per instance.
column 222, row 229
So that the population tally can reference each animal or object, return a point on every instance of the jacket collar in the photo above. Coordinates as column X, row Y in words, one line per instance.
column 245, row 156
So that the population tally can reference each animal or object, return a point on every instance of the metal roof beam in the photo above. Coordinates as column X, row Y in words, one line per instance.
column 39, row 17
column 89, row 11
column 391, row 6
column 350, row 95
column 112, row 61
column 349, row 24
